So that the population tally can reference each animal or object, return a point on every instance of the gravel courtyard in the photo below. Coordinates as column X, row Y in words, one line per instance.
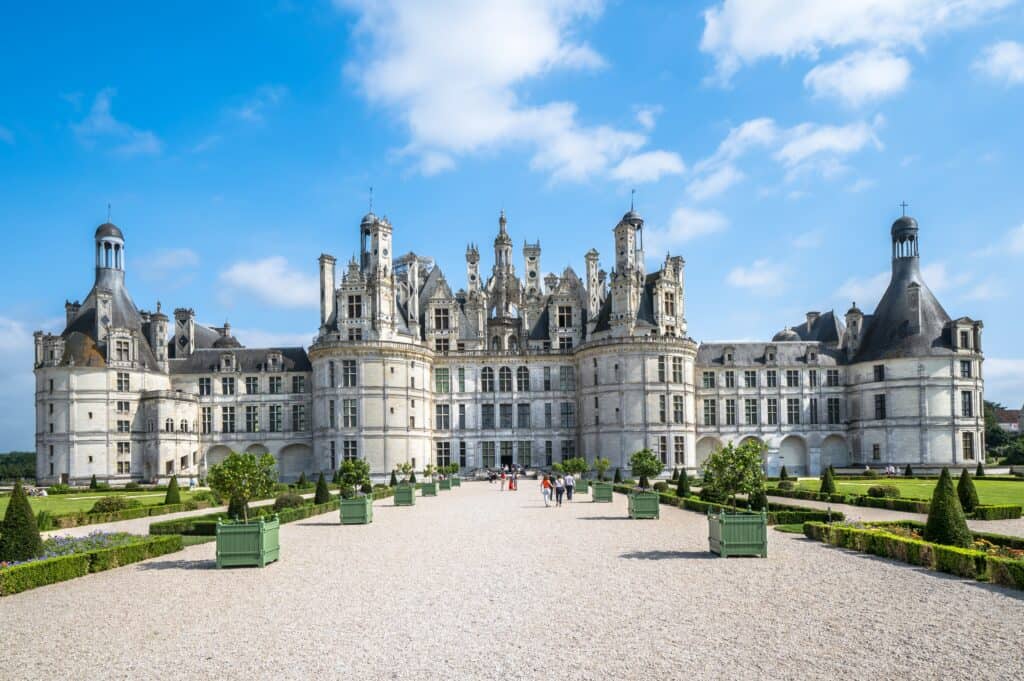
column 478, row 583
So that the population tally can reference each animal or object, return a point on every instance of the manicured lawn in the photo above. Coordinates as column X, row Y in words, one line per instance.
column 70, row 503
column 989, row 491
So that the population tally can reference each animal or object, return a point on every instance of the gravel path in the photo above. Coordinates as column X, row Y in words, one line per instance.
column 477, row 583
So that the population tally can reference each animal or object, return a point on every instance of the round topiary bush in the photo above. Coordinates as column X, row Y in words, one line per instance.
column 289, row 500
column 113, row 504
column 787, row 485
column 882, row 491
column 661, row 486
column 871, row 473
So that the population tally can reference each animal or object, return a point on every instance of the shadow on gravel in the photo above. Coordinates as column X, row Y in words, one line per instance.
column 604, row 517
column 180, row 565
column 668, row 555
column 336, row 522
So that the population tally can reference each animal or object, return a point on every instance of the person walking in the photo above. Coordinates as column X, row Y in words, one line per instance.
column 559, row 490
column 502, row 480
column 570, row 486
column 545, row 489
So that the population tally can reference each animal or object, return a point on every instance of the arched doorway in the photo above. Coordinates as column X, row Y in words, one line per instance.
column 294, row 460
column 705, row 446
column 256, row 449
column 793, row 455
column 835, row 452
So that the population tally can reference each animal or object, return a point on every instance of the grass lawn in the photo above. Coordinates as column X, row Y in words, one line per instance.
column 69, row 503
column 989, row 491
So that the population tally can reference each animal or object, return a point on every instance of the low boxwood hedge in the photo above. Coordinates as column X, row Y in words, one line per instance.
column 80, row 518
column 996, row 512
column 777, row 513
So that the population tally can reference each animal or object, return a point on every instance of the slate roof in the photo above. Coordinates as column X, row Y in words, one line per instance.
column 247, row 360
column 746, row 354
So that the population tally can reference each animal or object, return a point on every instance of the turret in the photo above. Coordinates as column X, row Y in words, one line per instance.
column 184, row 332
column 472, row 268
column 854, row 326
column 109, row 256
column 531, row 255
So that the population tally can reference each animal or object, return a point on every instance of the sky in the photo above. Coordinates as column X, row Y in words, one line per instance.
column 769, row 142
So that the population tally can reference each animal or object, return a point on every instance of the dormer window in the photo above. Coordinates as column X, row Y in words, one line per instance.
column 226, row 362
column 564, row 316
column 441, row 321
column 122, row 351
column 965, row 340
column 355, row 307
column 670, row 304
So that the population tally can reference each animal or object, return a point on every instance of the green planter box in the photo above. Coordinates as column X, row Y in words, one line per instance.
column 601, row 492
column 644, row 505
column 357, row 510
column 456, row 481
column 405, row 494
column 582, row 487
column 429, row 489
column 444, row 484
column 738, row 534
column 248, row 544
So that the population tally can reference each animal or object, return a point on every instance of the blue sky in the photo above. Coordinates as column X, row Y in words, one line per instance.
column 769, row 142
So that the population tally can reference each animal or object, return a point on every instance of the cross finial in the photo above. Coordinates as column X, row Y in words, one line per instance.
column 632, row 197
column 904, row 206
column 108, row 212
column 371, row 199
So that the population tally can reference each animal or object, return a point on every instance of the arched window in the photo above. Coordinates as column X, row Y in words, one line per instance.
column 487, row 380
column 184, row 426
column 169, row 425
column 496, row 343
column 513, row 344
column 505, row 380
column 522, row 379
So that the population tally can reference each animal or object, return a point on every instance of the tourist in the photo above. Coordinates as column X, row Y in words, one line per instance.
column 545, row 489
column 503, row 480
column 559, row 490
column 513, row 483
column 570, row 486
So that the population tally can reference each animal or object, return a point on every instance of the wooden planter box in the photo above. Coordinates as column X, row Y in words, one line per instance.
column 428, row 489
column 444, row 484
column 247, row 544
column 601, row 492
column 405, row 494
column 582, row 486
column 357, row 510
column 644, row 505
column 456, row 481
column 738, row 534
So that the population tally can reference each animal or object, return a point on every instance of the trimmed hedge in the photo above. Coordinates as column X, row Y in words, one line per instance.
column 889, row 503
column 992, row 537
column 996, row 512
column 952, row 560
column 78, row 519
column 62, row 568
column 777, row 513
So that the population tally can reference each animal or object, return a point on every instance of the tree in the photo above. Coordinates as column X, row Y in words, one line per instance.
column 323, row 495
column 92, row 482
column 675, row 474
column 644, row 464
column 243, row 477
column 980, row 472
column 908, row 471
column 683, row 487
column 618, row 475
column 394, row 479
column 602, row 465
column 173, row 495
column 995, row 436
column 733, row 470
column 576, row 466
column 783, row 474
column 966, row 492
column 946, row 521
column 302, row 482
column 354, row 474
column 828, row 483
column 19, row 535
column 412, row 477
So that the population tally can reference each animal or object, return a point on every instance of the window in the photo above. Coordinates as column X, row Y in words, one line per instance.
column 124, row 383
column 252, row 419
column 567, row 378
column 730, row 379
column 462, row 454
column 227, row 386
column 750, row 412
column 968, row 442
column 879, row 371
column 124, row 449
column 812, row 412
column 487, row 416
column 298, row 384
column 565, row 343
column 504, row 380
column 792, row 410
column 710, row 413
column 348, row 413
column 462, row 379
column 487, row 380
column 832, row 407
column 730, row 412
column 349, row 378
column 548, row 452
column 207, row 420
column 355, row 334
column 506, row 451
column 773, row 411
column 597, row 411
column 772, row 378
column 965, row 340
column 523, row 415
column 184, row 462
column 879, row 406
column 298, row 417
column 670, row 304
column 749, row 379
column 812, row 378
column 524, row 453
column 832, row 378
column 568, row 411
column 663, row 449
column 227, row 419
column 334, row 455
column 169, row 467
column 547, row 414
column 661, row 369
column 966, row 403
column 568, row 449
column 708, row 379
column 505, row 415
column 679, row 450
column 332, row 414
column 274, row 385
column 523, row 379
column 876, row 452
column 677, row 409
column 444, row 451
column 331, row 378
column 441, row 345
column 677, row 369
column 547, row 378
column 965, row 368
column 169, row 426
column 462, row 417
column 565, row 316
column 488, row 454
column 252, row 385
column 349, row 450
column 122, row 351
column 792, row 378
column 441, row 318
column 662, row 409
column 275, row 425
column 442, row 380
column 204, row 386
column 126, row 426
column 355, row 307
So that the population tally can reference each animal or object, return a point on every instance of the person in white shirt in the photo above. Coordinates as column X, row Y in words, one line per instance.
column 570, row 486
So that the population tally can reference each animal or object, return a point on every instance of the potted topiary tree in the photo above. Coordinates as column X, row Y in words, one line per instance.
column 730, row 471
column 429, row 487
column 405, row 491
column 601, row 491
column 644, row 503
column 356, row 507
column 241, row 477
column 453, row 470
column 445, row 481
column 579, row 468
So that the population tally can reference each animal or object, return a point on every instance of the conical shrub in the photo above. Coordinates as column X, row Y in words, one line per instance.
column 908, row 471
column 323, row 495
column 19, row 535
column 302, row 481
column 980, row 471
column 783, row 474
column 683, row 488
column 828, row 483
column 173, row 495
column 412, row 478
column 92, row 482
column 618, row 476
column 394, row 479
column 946, row 522
column 966, row 492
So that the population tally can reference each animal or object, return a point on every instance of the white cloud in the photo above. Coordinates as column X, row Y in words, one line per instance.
column 179, row 263
column 860, row 77
column 939, row 277
column 645, row 116
column 6, row 135
column 865, row 291
column 101, row 126
column 272, row 281
column 811, row 239
column 648, row 166
column 1004, row 380
column 454, row 70
column 863, row 184
column 17, row 383
column 716, row 182
column 989, row 289
column 1015, row 239
column 763, row 277
column 1012, row 242
column 207, row 143
column 254, row 109
column 1003, row 62
column 684, row 224
column 809, row 141
column 259, row 338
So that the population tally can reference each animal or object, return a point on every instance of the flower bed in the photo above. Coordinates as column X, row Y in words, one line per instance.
column 777, row 513
column 69, row 557
column 984, row 561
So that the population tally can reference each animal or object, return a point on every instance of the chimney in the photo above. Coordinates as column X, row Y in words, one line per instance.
column 812, row 317
column 71, row 311
column 326, row 288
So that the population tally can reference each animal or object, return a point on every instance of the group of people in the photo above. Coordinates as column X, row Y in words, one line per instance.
column 511, row 478
column 560, row 486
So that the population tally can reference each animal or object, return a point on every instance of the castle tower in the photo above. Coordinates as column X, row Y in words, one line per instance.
column 472, row 268
column 594, row 286
column 531, row 254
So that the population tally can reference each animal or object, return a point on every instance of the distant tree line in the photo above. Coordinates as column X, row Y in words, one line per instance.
column 15, row 465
